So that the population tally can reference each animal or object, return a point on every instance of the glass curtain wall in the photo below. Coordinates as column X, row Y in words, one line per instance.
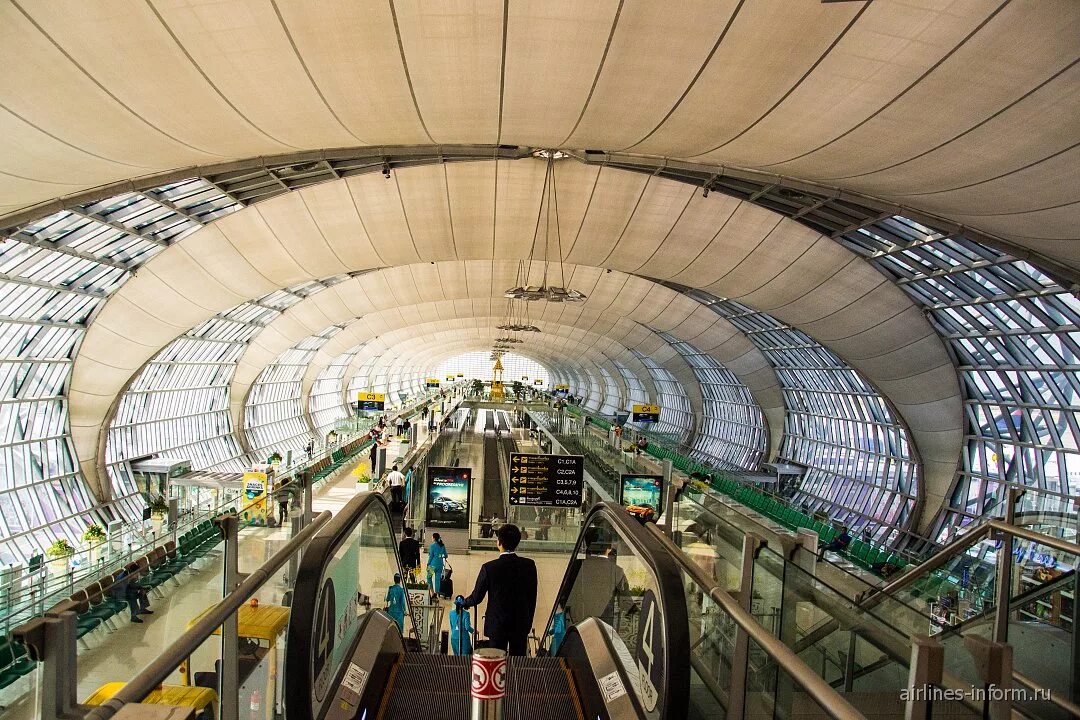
column 55, row 273
column 676, row 417
column 1014, row 334
column 857, row 456
column 273, row 418
column 732, row 432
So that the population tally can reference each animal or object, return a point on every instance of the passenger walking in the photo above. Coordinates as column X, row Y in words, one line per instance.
column 510, row 581
column 409, row 550
column 396, row 602
column 397, row 489
column 436, row 558
column 642, row 444
column 373, row 455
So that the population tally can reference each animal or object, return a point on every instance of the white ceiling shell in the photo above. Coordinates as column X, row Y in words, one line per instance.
column 894, row 98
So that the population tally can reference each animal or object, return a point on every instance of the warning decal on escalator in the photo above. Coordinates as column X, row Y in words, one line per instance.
column 355, row 678
column 612, row 686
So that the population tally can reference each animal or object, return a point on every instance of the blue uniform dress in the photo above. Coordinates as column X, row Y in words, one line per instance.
column 461, row 632
column 396, row 604
column 558, row 631
column 435, row 556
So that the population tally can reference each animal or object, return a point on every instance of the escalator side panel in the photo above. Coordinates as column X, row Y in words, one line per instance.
column 369, row 668
column 602, row 685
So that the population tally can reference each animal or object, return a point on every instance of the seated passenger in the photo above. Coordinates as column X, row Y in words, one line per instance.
column 838, row 545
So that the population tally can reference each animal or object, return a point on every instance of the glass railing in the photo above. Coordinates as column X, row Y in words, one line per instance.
column 246, row 667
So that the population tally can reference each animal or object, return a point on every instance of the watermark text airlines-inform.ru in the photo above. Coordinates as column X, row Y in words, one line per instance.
column 991, row 693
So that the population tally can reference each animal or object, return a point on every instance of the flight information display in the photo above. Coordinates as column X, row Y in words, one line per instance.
column 546, row 480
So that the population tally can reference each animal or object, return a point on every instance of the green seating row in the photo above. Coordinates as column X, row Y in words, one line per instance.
column 14, row 663
column 95, row 605
column 861, row 553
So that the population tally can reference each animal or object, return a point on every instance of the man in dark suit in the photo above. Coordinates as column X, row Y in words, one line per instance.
column 510, row 581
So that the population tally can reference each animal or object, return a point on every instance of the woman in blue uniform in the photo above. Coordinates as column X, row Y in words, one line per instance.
column 396, row 602
column 436, row 555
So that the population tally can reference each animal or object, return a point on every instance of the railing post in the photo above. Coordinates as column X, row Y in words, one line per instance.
column 736, row 708
column 306, row 479
column 993, row 663
column 1074, row 676
column 50, row 640
column 229, row 681
column 924, row 674
column 1004, row 572
column 669, row 500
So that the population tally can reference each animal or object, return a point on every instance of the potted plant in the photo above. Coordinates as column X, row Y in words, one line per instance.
column 93, row 536
column 477, row 386
column 274, row 458
column 159, row 508
column 59, row 554
column 363, row 480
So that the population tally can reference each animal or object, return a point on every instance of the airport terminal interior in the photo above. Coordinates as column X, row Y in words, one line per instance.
column 756, row 320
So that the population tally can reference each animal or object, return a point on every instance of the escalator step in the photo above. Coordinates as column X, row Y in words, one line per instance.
column 436, row 687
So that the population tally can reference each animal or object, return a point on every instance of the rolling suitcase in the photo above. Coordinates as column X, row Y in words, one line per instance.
column 446, row 584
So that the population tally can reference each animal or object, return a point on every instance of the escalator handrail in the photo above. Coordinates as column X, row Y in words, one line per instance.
column 307, row 585
column 827, row 698
column 671, row 598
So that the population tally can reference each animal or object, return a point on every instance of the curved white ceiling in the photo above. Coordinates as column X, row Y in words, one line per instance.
column 968, row 110
column 432, row 218
column 620, row 307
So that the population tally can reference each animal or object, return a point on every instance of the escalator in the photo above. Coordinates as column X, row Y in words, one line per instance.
column 616, row 643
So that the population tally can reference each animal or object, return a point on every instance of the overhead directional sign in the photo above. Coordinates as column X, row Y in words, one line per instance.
column 646, row 413
column 546, row 480
column 433, row 382
column 371, row 401
column 538, row 381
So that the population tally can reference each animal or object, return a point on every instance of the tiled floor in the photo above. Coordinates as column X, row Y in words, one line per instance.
column 112, row 655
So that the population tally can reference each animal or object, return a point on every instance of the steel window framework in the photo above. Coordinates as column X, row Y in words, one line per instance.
column 1014, row 336
column 732, row 431
column 55, row 273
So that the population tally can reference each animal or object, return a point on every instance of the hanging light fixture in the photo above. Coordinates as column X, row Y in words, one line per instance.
column 517, row 321
column 546, row 290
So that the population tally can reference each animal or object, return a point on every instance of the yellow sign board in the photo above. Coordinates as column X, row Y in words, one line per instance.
column 450, row 378
column 562, row 387
column 645, row 413
column 433, row 382
column 371, row 397
column 461, row 374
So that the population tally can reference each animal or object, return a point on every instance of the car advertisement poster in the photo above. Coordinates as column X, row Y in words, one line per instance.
column 642, row 491
column 448, row 497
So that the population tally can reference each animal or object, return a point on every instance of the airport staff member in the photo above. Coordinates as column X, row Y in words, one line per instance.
column 511, row 583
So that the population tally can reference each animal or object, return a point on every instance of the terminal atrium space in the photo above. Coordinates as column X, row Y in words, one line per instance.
column 836, row 243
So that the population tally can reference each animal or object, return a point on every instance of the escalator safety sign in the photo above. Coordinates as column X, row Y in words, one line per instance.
column 612, row 687
column 355, row 678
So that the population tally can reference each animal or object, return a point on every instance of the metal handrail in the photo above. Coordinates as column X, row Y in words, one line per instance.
column 159, row 669
column 827, row 698
column 965, row 541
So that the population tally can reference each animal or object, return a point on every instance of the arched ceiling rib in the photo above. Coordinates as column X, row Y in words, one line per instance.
column 608, row 218
column 463, row 289
column 559, row 345
column 437, row 349
column 885, row 98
